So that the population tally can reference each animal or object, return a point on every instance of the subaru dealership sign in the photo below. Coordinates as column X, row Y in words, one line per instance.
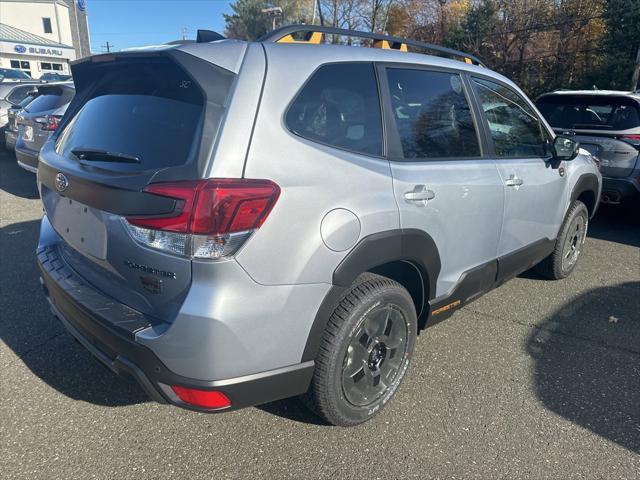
column 48, row 51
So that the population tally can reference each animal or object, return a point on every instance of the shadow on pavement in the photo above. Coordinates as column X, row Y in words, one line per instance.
column 587, row 362
column 616, row 224
column 37, row 337
column 16, row 180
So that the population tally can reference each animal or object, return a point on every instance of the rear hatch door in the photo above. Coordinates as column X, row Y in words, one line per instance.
column 137, row 118
column 605, row 125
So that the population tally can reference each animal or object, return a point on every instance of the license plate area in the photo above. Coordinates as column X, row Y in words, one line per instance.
column 28, row 133
column 80, row 226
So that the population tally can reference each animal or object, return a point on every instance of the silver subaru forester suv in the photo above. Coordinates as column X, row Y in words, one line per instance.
column 233, row 223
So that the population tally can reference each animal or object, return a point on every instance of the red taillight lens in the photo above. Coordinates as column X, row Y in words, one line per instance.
column 49, row 123
column 213, row 207
column 631, row 137
column 202, row 398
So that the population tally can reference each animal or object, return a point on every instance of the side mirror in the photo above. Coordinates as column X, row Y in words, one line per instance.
column 564, row 148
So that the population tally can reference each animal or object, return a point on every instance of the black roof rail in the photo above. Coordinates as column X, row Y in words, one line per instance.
column 285, row 35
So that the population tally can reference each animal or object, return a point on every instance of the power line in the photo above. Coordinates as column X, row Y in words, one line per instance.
column 108, row 46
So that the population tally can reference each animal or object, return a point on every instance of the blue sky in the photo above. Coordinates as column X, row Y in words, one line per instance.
column 130, row 23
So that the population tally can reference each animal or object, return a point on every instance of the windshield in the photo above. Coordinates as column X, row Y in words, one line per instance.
column 13, row 74
column 590, row 112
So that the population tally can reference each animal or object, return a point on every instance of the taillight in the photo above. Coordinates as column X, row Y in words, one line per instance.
column 49, row 123
column 631, row 137
column 212, row 219
column 201, row 398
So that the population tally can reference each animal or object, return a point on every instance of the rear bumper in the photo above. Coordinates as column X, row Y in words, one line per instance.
column 112, row 341
column 621, row 190
column 27, row 158
column 10, row 139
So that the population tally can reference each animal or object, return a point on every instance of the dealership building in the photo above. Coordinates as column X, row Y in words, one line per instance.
column 41, row 36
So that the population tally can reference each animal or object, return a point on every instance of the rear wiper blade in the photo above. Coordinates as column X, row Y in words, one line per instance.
column 97, row 155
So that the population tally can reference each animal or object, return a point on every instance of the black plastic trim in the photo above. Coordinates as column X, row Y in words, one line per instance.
column 472, row 284
column 587, row 182
column 123, row 355
column 105, row 197
column 279, row 33
column 627, row 188
column 521, row 260
column 481, row 279
column 27, row 156
column 412, row 245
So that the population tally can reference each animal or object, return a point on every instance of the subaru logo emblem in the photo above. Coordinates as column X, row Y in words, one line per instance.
column 61, row 182
column 20, row 48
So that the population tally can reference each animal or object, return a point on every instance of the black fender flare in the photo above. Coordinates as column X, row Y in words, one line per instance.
column 412, row 245
column 587, row 182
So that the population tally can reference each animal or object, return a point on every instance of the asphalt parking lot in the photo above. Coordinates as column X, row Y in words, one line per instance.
column 537, row 379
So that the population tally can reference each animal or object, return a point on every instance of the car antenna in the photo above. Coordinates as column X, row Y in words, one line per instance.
column 206, row 36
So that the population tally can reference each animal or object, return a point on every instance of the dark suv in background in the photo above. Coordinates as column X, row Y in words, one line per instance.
column 607, row 124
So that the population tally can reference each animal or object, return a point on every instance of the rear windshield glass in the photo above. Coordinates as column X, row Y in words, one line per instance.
column 50, row 99
column 148, row 109
column 27, row 100
column 18, row 94
column 590, row 112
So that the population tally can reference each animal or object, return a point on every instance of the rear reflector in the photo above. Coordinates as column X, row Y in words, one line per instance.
column 213, row 218
column 202, row 398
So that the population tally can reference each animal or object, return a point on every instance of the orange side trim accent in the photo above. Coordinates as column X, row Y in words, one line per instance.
column 446, row 307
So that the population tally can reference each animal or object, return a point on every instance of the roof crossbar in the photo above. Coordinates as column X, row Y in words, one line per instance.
column 312, row 34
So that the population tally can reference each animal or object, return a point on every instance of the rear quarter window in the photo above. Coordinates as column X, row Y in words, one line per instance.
column 340, row 106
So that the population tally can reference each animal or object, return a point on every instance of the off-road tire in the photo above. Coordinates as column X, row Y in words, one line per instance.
column 555, row 266
column 369, row 295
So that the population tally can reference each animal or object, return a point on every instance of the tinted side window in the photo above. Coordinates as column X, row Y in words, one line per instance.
column 432, row 114
column 515, row 128
column 339, row 106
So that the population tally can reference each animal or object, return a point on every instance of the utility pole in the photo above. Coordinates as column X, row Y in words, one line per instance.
column 107, row 46
column 274, row 13
column 636, row 73
column 184, row 31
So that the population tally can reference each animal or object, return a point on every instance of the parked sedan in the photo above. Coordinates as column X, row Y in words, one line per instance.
column 38, row 120
column 607, row 124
